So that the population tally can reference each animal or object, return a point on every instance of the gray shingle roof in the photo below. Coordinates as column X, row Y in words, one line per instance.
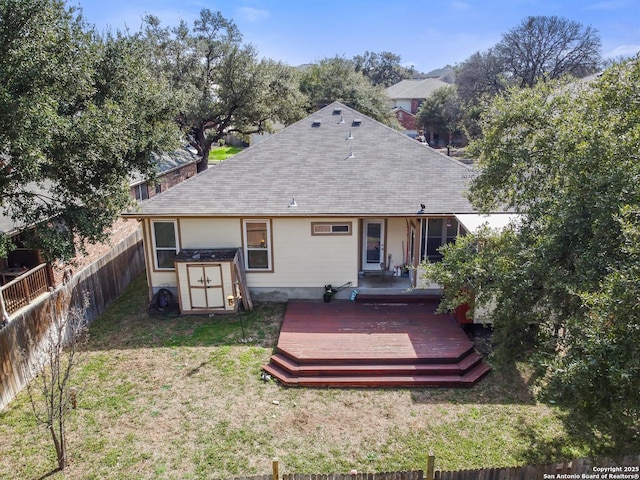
column 167, row 162
column 415, row 88
column 388, row 173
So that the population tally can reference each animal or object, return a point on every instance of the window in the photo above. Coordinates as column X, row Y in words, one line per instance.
column 323, row 228
column 165, row 244
column 435, row 233
column 257, row 244
column 141, row 192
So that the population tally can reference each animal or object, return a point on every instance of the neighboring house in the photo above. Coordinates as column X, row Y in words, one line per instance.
column 334, row 198
column 406, row 98
column 171, row 169
column 36, row 276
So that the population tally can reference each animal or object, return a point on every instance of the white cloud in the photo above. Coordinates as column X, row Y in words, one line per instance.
column 253, row 15
column 623, row 51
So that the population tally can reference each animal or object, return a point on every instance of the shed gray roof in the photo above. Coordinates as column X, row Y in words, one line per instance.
column 415, row 88
column 380, row 172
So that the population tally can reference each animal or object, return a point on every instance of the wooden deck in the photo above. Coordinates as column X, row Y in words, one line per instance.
column 356, row 344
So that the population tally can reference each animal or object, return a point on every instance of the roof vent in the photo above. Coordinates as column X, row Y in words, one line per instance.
column 293, row 203
column 356, row 122
column 316, row 123
column 337, row 111
column 350, row 136
column 351, row 154
column 341, row 119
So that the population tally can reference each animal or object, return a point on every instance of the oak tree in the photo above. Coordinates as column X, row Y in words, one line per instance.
column 544, row 47
column 562, row 285
column 79, row 113
column 220, row 84
column 336, row 79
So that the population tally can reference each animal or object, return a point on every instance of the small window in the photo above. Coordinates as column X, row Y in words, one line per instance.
column 165, row 244
column 326, row 228
column 141, row 192
column 257, row 245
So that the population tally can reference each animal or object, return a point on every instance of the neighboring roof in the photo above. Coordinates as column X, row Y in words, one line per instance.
column 404, row 110
column 380, row 172
column 168, row 162
column 415, row 88
column 10, row 227
column 164, row 164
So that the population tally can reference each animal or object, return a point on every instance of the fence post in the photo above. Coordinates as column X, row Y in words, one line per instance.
column 431, row 463
column 275, row 470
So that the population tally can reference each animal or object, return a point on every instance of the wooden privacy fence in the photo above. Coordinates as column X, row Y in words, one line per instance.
column 102, row 281
column 579, row 468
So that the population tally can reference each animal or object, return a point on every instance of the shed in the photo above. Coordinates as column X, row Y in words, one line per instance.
column 209, row 280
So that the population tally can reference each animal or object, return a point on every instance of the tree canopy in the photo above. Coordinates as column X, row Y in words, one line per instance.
column 548, row 48
column 442, row 111
column 336, row 79
column 538, row 49
column 382, row 68
column 563, row 285
column 79, row 113
column 220, row 84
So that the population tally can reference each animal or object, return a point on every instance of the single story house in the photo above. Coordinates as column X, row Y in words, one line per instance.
column 336, row 198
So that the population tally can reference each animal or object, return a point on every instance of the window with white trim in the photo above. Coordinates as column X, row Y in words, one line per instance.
column 257, row 245
column 165, row 244
column 327, row 228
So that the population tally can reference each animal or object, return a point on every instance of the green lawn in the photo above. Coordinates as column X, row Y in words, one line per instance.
column 217, row 154
column 181, row 397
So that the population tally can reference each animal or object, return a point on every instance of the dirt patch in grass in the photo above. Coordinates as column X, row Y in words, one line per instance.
column 182, row 397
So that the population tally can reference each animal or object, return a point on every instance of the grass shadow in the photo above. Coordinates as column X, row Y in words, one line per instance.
column 126, row 324
column 506, row 384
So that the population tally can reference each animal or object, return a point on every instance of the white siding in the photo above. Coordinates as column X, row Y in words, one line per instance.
column 396, row 241
column 404, row 103
column 304, row 260
column 210, row 233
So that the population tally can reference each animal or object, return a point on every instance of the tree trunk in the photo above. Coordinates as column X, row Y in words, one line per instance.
column 203, row 144
column 203, row 164
column 60, row 446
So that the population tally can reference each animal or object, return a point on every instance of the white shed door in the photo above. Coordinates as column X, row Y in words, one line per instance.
column 205, row 286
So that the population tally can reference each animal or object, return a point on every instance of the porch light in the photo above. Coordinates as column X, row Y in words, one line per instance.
column 448, row 222
column 231, row 301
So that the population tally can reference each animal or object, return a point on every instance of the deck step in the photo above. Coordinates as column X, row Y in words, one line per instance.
column 379, row 368
column 466, row 380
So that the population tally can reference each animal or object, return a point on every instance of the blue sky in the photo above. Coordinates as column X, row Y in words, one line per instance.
column 426, row 34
